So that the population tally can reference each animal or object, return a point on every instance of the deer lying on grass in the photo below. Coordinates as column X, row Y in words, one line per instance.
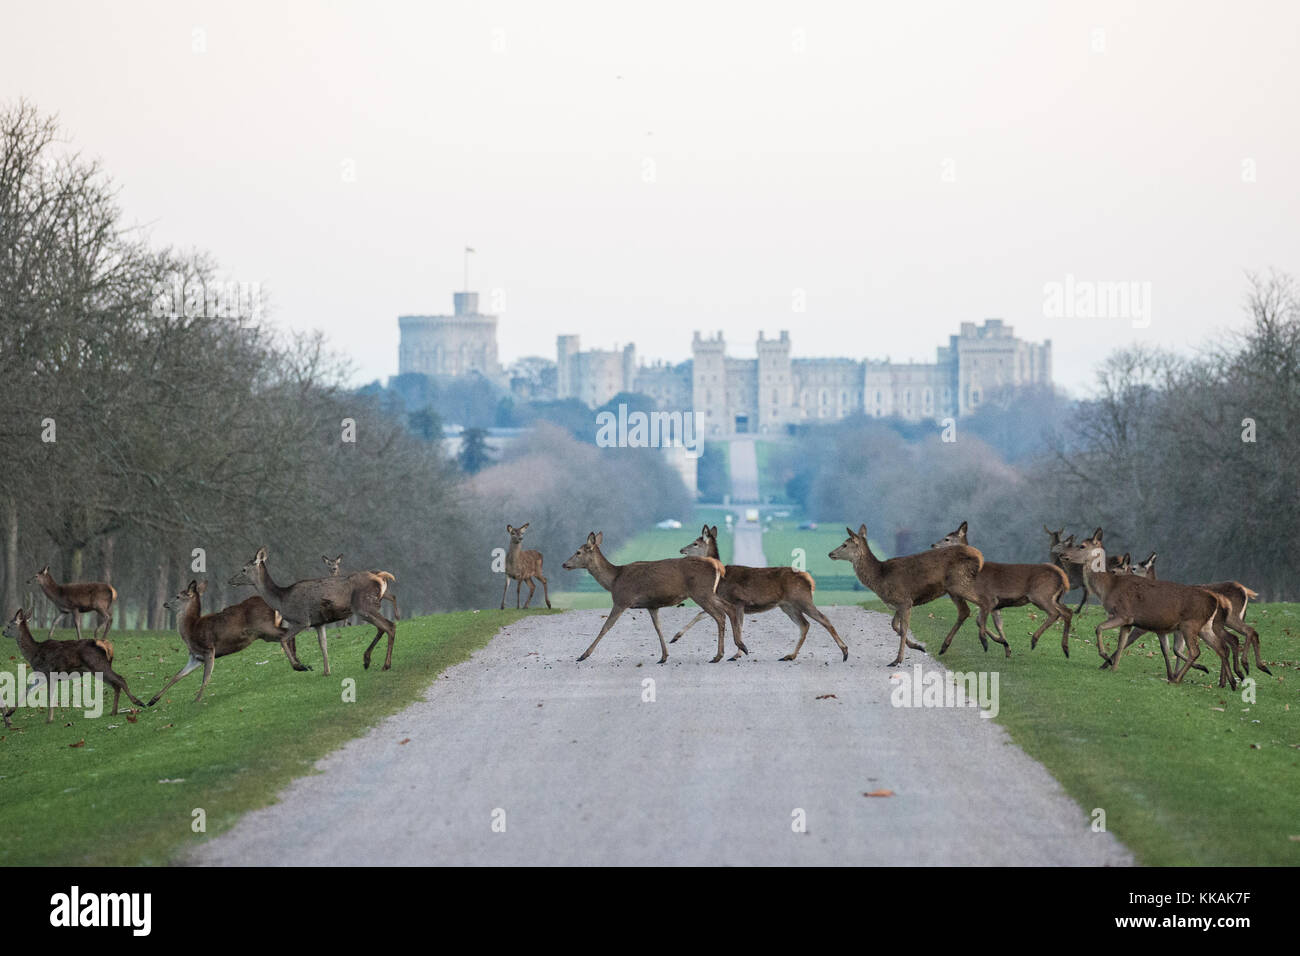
column 755, row 590
column 1073, row 570
column 1133, row 602
column 316, row 602
column 334, row 564
column 1014, row 585
column 523, row 566
column 49, row 659
column 209, row 636
column 655, row 584
column 911, row 580
column 1238, row 596
column 76, row 599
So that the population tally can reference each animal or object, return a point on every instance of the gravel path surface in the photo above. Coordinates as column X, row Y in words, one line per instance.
column 718, row 769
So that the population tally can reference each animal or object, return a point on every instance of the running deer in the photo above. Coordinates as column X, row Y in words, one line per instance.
column 1014, row 585
column 77, row 599
column 1239, row 597
column 334, row 565
column 755, row 590
column 51, row 659
column 1073, row 570
column 914, row 579
column 1133, row 602
column 316, row 602
column 523, row 566
column 209, row 636
column 655, row 584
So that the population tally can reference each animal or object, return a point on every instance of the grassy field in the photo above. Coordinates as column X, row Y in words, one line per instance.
column 122, row 790
column 782, row 536
column 1187, row 775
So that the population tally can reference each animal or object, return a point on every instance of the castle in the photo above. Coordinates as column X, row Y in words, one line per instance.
column 773, row 391
column 766, row 394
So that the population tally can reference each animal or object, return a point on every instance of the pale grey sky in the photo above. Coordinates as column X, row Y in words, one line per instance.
column 908, row 166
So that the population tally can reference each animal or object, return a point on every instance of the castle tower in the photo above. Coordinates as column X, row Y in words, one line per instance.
column 459, row 344
column 709, row 383
column 775, row 399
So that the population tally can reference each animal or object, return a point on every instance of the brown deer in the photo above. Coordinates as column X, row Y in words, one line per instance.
column 1072, row 570
column 316, row 602
column 77, row 599
column 655, row 584
column 914, row 579
column 1238, row 596
column 1133, row 602
column 523, row 566
column 209, row 636
column 755, row 590
column 49, row 659
column 335, row 564
column 1014, row 585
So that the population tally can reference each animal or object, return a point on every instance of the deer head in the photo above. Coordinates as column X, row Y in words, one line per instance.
column 42, row 576
column 699, row 548
column 1088, row 552
column 586, row 555
column 855, row 545
column 1054, row 535
column 953, row 538
column 517, row 534
column 248, row 574
column 332, row 563
column 1147, row 568
column 191, row 592
column 16, row 623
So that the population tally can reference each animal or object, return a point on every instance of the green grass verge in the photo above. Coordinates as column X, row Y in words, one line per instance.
column 782, row 536
column 1187, row 775
column 259, row 726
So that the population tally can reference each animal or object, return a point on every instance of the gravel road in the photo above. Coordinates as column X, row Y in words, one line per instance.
column 521, row 755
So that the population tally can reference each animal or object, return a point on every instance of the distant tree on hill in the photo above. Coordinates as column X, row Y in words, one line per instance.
column 474, row 453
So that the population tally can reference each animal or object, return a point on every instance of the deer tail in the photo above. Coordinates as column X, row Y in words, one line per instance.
column 719, row 572
column 812, row 585
column 107, row 648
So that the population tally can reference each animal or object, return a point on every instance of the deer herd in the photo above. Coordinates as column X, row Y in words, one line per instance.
column 1135, row 601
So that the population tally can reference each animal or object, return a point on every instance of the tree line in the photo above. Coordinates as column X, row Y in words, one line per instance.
column 1193, row 457
column 153, row 431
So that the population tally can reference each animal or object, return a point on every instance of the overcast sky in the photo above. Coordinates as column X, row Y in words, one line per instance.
column 906, row 166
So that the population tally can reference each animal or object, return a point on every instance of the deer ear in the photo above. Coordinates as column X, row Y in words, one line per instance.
column 704, row 532
column 962, row 529
column 510, row 529
column 260, row 557
column 591, row 537
column 325, row 558
column 203, row 586
column 1096, row 536
column 862, row 532
column 600, row 536
column 524, row 527
column 850, row 531
column 1126, row 559
column 714, row 532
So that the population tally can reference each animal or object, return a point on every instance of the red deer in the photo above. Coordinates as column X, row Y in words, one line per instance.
column 77, row 599
column 1238, row 596
column 209, row 636
column 523, row 566
column 914, row 579
column 334, row 564
column 755, row 590
column 1014, row 585
column 49, row 659
column 655, row 584
column 316, row 602
column 1072, row 569
column 1158, row 606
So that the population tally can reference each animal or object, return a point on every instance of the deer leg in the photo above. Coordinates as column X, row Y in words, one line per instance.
column 1106, row 625
column 118, row 683
column 532, row 589
column 323, row 640
column 1125, row 633
column 49, row 698
column 695, row 620
column 1053, row 615
column 518, row 584
column 800, row 622
column 963, row 612
column 815, row 613
column 290, row 647
column 208, row 661
column 737, row 614
column 663, row 648
column 1069, row 618
column 76, row 623
column 1193, row 651
column 504, row 591
column 192, row 663
column 720, row 612
column 53, row 622
column 1001, row 635
column 1251, row 637
column 904, row 618
column 613, row 616
column 546, row 592
column 392, row 599
column 382, row 626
